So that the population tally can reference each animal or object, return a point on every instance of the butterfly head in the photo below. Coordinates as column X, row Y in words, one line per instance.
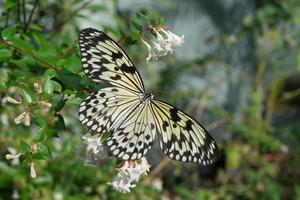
column 146, row 97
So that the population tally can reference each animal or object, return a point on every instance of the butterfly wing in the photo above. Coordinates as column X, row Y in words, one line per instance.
column 104, row 110
column 181, row 137
column 135, row 135
column 103, row 60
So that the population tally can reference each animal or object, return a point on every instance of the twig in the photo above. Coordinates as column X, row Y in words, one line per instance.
column 7, row 18
column 160, row 166
column 60, row 25
column 24, row 14
column 30, row 15
column 34, row 57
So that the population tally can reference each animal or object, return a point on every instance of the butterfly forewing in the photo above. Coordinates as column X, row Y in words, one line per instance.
column 103, row 110
column 181, row 137
column 104, row 60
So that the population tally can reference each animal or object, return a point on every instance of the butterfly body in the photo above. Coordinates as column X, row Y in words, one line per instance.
column 134, row 116
column 146, row 97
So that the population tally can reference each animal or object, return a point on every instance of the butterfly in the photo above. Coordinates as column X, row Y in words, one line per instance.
column 133, row 116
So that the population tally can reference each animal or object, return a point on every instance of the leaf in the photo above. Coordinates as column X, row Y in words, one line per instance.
column 42, row 152
column 71, row 63
column 145, row 18
column 135, row 35
column 5, row 54
column 75, row 101
column 60, row 105
column 59, row 122
column 9, row 4
column 44, row 46
column 24, row 45
column 48, row 86
column 135, row 22
column 9, row 33
column 39, row 137
column 24, row 146
column 27, row 97
column 69, row 79
column 57, row 86
column 24, row 62
column 114, row 32
column 41, row 122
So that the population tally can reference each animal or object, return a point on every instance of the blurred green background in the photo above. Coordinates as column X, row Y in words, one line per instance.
column 238, row 73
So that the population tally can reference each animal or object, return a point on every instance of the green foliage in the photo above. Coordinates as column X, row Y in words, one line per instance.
column 40, row 68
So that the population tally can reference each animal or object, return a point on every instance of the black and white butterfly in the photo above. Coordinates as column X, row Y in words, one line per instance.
column 131, row 113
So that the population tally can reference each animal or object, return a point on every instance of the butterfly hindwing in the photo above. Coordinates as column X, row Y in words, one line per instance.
column 181, row 137
column 135, row 135
column 103, row 60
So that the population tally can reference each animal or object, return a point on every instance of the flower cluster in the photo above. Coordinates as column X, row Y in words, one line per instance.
column 95, row 150
column 25, row 117
column 128, row 173
column 162, row 44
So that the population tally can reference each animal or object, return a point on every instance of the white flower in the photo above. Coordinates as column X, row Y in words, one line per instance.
column 23, row 118
column 172, row 38
column 13, row 101
column 32, row 171
column 128, row 173
column 44, row 104
column 38, row 88
column 15, row 194
column 94, row 148
column 13, row 156
column 162, row 44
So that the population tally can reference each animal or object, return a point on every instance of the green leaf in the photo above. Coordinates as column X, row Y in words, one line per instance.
column 60, row 105
column 135, row 35
column 24, row 146
column 48, row 86
column 57, row 86
column 75, row 101
column 40, row 135
column 44, row 46
column 27, row 97
column 9, row 4
column 24, row 45
column 5, row 54
column 59, row 122
column 145, row 18
column 71, row 63
column 9, row 33
column 49, row 72
column 41, row 122
column 114, row 32
column 42, row 152
column 24, row 62
column 3, row 84
column 135, row 22
column 69, row 79
column 52, row 132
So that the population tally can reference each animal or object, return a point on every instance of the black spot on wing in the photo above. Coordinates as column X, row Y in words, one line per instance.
column 128, row 69
column 165, row 125
column 188, row 125
column 174, row 116
column 116, row 77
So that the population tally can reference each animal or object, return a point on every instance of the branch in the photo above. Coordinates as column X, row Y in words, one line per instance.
column 31, row 14
column 34, row 57
column 24, row 14
column 75, row 12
